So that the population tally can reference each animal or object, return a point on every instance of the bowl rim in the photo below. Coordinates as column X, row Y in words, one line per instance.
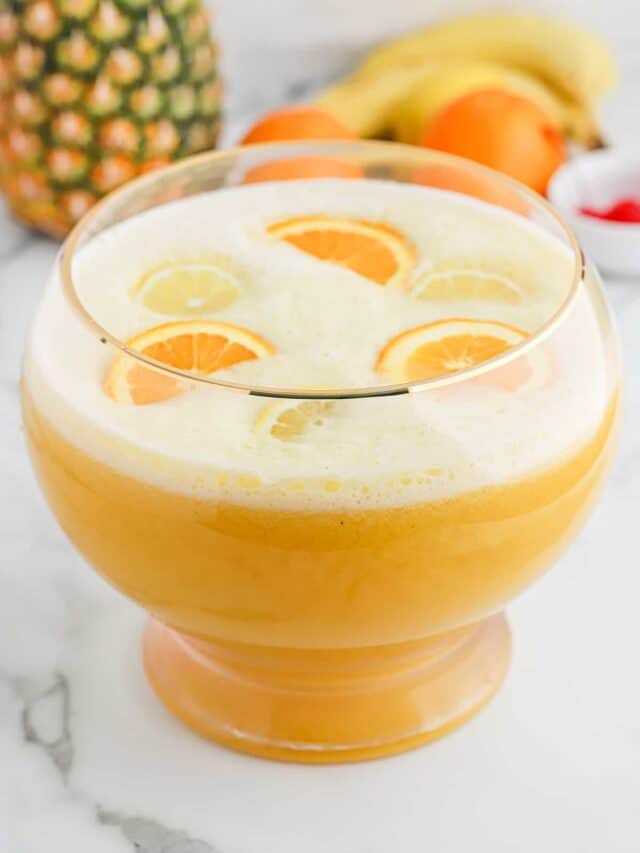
column 374, row 150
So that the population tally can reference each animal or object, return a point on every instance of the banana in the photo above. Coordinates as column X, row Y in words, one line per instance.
column 364, row 101
column 400, row 85
column 567, row 57
column 401, row 99
column 410, row 115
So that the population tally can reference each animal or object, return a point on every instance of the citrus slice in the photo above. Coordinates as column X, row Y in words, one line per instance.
column 199, row 346
column 535, row 369
column 189, row 287
column 372, row 249
column 458, row 282
column 289, row 419
column 446, row 346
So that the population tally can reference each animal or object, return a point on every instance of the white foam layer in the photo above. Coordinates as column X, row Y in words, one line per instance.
column 328, row 325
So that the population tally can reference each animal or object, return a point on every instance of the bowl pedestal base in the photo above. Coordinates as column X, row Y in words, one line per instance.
column 315, row 706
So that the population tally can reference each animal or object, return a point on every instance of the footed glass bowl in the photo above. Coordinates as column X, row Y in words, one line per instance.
column 326, row 563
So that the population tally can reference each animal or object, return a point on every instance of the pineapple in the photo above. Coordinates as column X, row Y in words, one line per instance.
column 94, row 92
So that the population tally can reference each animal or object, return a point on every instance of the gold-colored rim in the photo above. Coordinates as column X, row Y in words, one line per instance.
column 361, row 151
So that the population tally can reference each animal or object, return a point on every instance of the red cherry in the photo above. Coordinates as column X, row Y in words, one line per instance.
column 624, row 210
column 592, row 211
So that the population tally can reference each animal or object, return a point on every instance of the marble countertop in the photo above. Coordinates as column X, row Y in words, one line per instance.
column 90, row 761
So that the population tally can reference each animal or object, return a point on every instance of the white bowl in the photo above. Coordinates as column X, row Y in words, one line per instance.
column 599, row 179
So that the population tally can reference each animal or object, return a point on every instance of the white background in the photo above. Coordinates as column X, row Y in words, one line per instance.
column 271, row 47
column 551, row 766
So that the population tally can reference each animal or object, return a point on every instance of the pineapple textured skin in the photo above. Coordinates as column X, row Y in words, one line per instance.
column 96, row 92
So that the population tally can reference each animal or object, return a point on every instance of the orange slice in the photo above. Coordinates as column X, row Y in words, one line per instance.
column 535, row 369
column 199, row 346
column 446, row 346
column 372, row 249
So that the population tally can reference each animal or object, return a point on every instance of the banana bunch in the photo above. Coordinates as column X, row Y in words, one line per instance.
column 402, row 85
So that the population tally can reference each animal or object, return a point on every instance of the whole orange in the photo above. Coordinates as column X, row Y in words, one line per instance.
column 501, row 130
column 461, row 179
column 291, row 123
column 303, row 167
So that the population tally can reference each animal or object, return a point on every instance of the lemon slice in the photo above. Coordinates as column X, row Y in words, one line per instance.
column 189, row 288
column 287, row 420
column 460, row 283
